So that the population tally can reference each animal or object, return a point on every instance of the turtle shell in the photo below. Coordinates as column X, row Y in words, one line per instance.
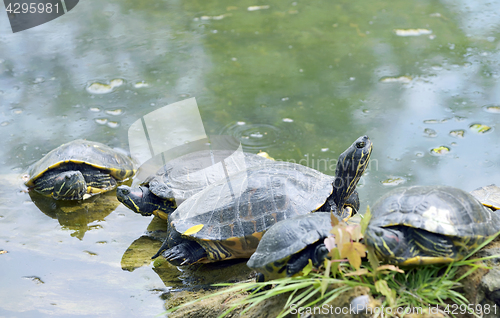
column 488, row 196
column 289, row 237
column 236, row 212
column 184, row 176
column 86, row 152
column 437, row 209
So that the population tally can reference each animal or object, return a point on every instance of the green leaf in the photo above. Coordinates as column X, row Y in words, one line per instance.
column 335, row 255
column 325, row 280
column 372, row 258
column 306, row 270
column 382, row 287
column 366, row 219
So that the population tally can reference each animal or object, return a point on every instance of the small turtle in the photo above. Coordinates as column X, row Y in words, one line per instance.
column 227, row 219
column 286, row 248
column 431, row 224
column 77, row 168
column 179, row 179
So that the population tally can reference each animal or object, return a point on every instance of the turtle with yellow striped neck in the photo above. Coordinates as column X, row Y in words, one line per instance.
column 227, row 219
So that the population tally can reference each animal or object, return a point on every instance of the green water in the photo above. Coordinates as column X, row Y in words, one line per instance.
column 300, row 80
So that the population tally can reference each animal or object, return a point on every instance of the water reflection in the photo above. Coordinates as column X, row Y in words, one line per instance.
column 80, row 216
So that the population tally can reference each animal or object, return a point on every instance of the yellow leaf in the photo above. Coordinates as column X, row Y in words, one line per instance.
column 335, row 221
column 351, row 254
column 359, row 248
column 355, row 232
column 359, row 272
column 389, row 268
column 193, row 229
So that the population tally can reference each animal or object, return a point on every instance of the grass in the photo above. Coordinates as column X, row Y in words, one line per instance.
column 430, row 286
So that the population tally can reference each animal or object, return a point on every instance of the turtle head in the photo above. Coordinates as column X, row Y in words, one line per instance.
column 141, row 200
column 69, row 185
column 350, row 167
column 388, row 243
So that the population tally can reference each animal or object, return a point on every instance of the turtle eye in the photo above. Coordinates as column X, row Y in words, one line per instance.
column 360, row 144
column 379, row 233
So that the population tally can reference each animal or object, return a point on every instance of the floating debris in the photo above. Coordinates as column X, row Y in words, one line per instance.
column 113, row 124
column 94, row 109
column 431, row 121
column 214, row 17
column 401, row 79
column 394, row 181
column 90, row 253
column 436, row 121
column 256, row 135
column 412, row 32
column 3, row 252
column 324, row 149
column 35, row 279
column 480, row 128
column 141, row 84
column 495, row 109
column 99, row 88
column 457, row 133
column 431, row 133
column 439, row 151
column 265, row 155
column 240, row 123
column 287, row 120
column 116, row 82
column 255, row 8
column 4, row 123
column 101, row 121
column 114, row 112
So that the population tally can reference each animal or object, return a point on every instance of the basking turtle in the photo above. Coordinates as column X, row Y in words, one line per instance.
column 77, row 168
column 431, row 224
column 286, row 248
column 227, row 219
column 179, row 179
column 489, row 196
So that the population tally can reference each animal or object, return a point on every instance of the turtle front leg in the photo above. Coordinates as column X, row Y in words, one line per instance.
column 316, row 253
column 186, row 253
column 99, row 182
column 69, row 185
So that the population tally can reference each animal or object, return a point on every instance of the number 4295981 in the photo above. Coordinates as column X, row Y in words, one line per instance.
column 32, row 8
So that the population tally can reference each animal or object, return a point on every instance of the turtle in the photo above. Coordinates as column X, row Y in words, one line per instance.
column 286, row 248
column 173, row 183
column 79, row 168
column 226, row 220
column 422, row 225
column 489, row 196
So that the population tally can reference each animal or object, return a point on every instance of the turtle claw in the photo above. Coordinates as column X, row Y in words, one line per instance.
column 184, row 254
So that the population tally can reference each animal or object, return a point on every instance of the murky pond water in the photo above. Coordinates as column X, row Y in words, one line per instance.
column 299, row 80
